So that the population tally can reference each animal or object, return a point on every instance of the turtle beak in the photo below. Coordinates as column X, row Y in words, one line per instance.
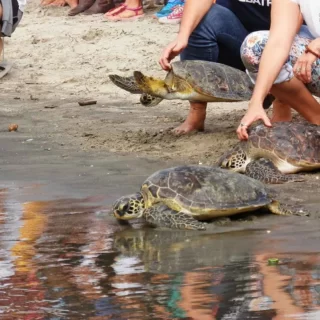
column 117, row 214
column 222, row 162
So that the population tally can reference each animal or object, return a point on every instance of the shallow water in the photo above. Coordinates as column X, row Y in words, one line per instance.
column 67, row 259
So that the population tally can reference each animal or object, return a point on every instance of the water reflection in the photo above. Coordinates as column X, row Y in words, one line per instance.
column 65, row 260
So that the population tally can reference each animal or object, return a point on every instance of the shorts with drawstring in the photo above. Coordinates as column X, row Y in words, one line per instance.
column 252, row 49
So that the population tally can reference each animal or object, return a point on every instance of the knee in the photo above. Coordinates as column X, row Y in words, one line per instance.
column 252, row 48
column 202, row 44
column 208, row 27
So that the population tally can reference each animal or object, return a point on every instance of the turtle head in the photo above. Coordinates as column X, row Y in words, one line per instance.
column 148, row 100
column 235, row 159
column 129, row 207
column 172, row 87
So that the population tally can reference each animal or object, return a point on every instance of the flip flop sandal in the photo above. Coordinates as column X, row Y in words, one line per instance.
column 115, row 10
column 5, row 67
column 115, row 16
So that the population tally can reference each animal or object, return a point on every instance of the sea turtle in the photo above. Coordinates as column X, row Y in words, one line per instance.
column 179, row 197
column 271, row 153
column 191, row 80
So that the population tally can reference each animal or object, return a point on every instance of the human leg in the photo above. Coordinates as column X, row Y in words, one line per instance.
column 217, row 38
column 297, row 95
column 72, row 3
column 100, row 6
column 58, row 3
column 287, row 88
column 281, row 110
column 82, row 6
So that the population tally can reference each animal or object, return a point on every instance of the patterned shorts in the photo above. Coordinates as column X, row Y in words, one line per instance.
column 251, row 51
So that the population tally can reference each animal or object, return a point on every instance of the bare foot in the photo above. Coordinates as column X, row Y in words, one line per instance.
column 58, row 3
column 46, row 2
column 72, row 3
column 126, row 13
column 114, row 11
column 194, row 121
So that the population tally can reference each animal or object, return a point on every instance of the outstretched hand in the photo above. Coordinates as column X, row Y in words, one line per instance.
column 173, row 49
column 254, row 113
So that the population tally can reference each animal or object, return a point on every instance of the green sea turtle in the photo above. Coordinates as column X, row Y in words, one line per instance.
column 181, row 196
column 191, row 80
column 270, row 154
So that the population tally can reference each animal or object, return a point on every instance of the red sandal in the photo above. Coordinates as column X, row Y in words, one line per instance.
column 115, row 10
column 115, row 16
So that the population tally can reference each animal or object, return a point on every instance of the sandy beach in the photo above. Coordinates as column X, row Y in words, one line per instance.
column 59, row 60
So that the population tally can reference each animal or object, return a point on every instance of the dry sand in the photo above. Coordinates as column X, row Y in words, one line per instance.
column 60, row 60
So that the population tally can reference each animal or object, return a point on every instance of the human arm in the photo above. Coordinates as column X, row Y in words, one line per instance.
column 193, row 12
column 285, row 20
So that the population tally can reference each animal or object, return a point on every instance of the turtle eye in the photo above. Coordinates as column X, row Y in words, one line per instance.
column 125, row 207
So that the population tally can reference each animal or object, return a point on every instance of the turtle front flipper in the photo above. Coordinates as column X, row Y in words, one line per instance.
column 265, row 171
column 126, row 83
column 160, row 215
column 281, row 209
column 148, row 100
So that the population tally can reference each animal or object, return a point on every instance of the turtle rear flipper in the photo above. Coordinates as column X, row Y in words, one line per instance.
column 281, row 209
column 126, row 83
column 265, row 171
column 160, row 215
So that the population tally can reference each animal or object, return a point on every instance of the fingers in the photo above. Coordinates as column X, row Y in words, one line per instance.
column 303, row 72
column 242, row 132
column 169, row 53
column 164, row 60
column 266, row 121
column 303, row 68
column 297, row 69
column 248, row 119
column 308, row 72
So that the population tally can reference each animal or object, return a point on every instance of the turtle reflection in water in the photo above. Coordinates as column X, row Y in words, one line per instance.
column 181, row 197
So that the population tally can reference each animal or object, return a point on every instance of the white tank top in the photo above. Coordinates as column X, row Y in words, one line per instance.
column 310, row 10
